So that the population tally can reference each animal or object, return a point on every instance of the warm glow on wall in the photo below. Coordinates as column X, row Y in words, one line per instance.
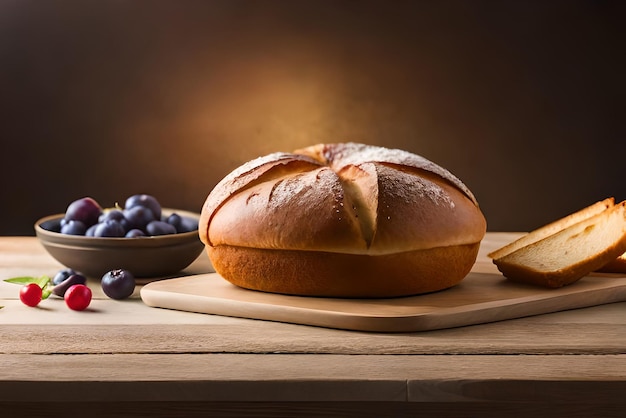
column 296, row 93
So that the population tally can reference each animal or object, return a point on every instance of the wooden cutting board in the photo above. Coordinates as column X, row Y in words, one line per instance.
column 483, row 296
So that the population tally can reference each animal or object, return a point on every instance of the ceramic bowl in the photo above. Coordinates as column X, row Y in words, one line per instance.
column 156, row 256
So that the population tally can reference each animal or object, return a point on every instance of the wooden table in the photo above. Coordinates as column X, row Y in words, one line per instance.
column 123, row 358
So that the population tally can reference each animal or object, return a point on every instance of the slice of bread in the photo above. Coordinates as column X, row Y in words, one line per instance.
column 555, row 259
column 553, row 227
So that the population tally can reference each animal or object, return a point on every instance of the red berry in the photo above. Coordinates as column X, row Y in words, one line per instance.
column 30, row 294
column 78, row 297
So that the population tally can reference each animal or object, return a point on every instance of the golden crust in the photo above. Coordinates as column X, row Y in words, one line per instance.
column 617, row 265
column 341, row 202
column 314, row 273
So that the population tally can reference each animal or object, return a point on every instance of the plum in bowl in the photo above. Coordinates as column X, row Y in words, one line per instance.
column 148, row 256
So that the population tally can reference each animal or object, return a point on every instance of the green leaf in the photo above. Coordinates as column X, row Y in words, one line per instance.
column 42, row 281
column 22, row 280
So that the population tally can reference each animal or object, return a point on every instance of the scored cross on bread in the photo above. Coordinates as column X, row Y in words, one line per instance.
column 564, row 251
column 342, row 220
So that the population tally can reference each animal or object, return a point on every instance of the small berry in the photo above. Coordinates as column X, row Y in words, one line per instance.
column 62, row 275
column 118, row 284
column 31, row 294
column 62, row 287
column 78, row 297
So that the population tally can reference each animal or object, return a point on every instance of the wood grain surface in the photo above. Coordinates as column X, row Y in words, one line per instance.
column 483, row 296
column 124, row 358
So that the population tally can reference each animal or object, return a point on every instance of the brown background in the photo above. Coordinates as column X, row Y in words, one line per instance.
column 523, row 100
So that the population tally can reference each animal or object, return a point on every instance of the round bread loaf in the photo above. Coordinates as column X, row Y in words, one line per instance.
column 342, row 220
